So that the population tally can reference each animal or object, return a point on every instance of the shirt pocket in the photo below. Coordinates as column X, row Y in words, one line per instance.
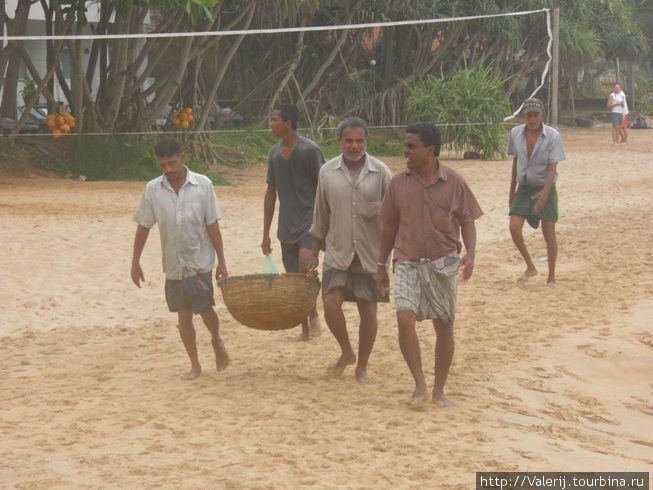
column 193, row 213
column 367, row 208
column 442, row 220
column 368, row 195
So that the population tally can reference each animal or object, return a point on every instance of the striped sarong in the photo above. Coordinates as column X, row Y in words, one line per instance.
column 419, row 288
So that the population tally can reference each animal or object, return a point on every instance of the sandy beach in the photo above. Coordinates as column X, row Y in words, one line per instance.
column 542, row 379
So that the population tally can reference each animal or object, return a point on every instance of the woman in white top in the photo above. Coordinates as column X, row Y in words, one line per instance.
column 619, row 106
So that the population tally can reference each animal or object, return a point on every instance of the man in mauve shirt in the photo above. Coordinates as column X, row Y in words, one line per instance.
column 424, row 211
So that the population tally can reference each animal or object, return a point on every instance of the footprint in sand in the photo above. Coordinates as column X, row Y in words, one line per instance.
column 593, row 351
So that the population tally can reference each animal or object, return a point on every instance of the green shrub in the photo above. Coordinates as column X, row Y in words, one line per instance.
column 114, row 158
column 201, row 168
column 245, row 147
column 644, row 92
column 467, row 96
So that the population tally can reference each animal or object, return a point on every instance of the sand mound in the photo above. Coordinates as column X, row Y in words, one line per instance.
column 547, row 380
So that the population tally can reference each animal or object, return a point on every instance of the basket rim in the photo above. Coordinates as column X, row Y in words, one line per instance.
column 248, row 276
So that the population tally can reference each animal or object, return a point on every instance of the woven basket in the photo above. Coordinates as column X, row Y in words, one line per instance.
column 269, row 301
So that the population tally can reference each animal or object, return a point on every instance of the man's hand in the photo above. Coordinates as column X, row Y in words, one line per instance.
column 312, row 264
column 221, row 271
column 382, row 280
column 137, row 274
column 266, row 245
column 541, row 197
column 466, row 264
column 511, row 196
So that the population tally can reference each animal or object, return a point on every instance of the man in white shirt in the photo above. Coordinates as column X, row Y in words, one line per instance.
column 184, row 205
column 347, row 226
column 619, row 110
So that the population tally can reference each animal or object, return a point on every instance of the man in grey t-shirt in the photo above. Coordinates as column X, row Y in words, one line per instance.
column 293, row 168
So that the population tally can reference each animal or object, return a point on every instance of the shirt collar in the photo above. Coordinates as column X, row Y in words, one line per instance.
column 440, row 174
column 191, row 178
column 543, row 133
column 366, row 165
column 546, row 130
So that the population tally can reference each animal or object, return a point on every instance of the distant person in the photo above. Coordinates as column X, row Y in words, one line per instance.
column 623, row 131
column 293, row 167
column 536, row 149
column 184, row 205
column 640, row 123
column 347, row 226
column 618, row 106
column 425, row 210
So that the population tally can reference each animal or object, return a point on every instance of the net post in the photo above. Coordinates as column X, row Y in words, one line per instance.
column 554, row 66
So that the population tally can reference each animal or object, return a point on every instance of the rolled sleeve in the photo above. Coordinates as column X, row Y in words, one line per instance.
column 317, row 161
column 469, row 209
column 270, row 180
column 557, row 152
column 389, row 210
column 321, row 211
column 510, row 149
column 213, row 211
column 144, row 214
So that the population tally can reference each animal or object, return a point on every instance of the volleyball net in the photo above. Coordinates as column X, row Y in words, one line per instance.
column 51, row 76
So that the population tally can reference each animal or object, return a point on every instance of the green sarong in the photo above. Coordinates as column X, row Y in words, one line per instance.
column 523, row 205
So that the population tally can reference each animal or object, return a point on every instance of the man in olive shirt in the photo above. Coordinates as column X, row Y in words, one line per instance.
column 424, row 211
column 347, row 226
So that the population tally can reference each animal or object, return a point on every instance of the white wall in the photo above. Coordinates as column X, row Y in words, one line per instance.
column 36, row 12
column 37, row 49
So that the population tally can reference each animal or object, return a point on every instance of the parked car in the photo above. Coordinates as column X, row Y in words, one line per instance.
column 35, row 122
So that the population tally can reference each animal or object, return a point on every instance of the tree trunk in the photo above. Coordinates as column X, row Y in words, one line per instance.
column 80, row 80
column 332, row 55
column 166, row 91
column 223, row 70
column 111, row 101
column 42, row 85
column 299, row 48
column 18, row 27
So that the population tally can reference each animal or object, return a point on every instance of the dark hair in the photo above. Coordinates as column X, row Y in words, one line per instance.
column 167, row 147
column 352, row 122
column 288, row 112
column 428, row 134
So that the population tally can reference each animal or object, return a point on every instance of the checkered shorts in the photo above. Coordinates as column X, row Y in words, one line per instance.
column 425, row 292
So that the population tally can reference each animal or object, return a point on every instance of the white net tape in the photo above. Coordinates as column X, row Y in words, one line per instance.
column 545, row 71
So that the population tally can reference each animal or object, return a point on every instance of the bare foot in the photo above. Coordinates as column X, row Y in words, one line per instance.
column 302, row 337
column 315, row 329
column 551, row 284
column 440, row 400
column 221, row 357
column 527, row 274
column 361, row 377
column 338, row 368
column 418, row 398
column 192, row 374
